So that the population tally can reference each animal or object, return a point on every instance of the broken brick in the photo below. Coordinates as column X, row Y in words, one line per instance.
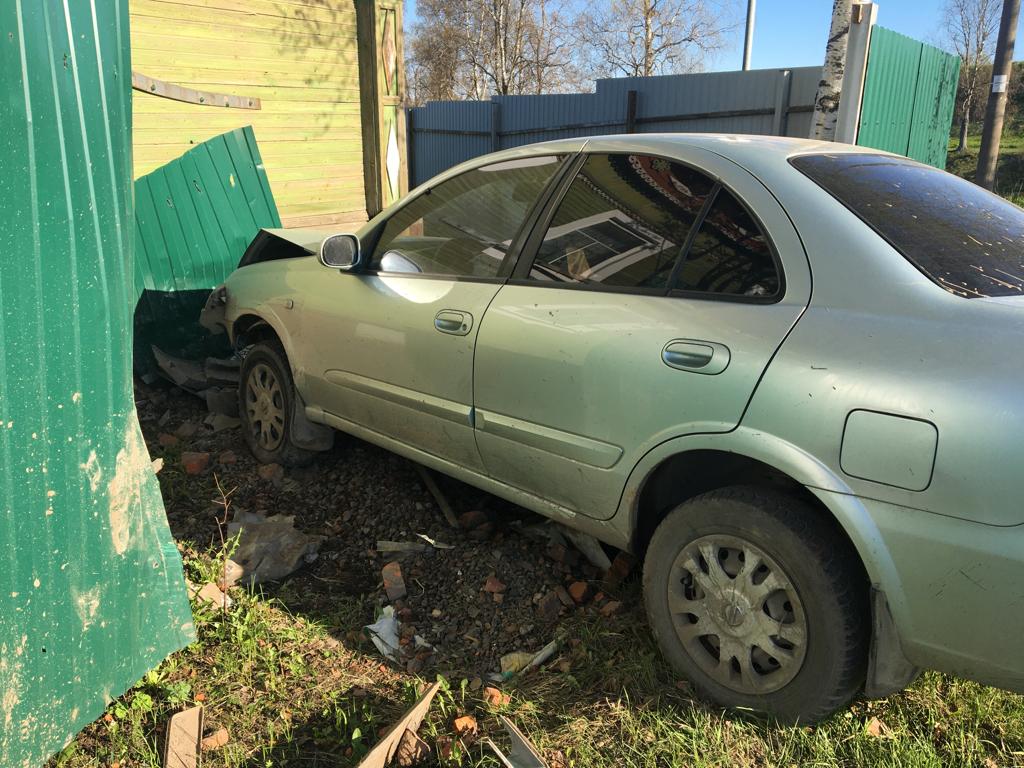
column 465, row 726
column 611, row 607
column 394, row 584
column 620, row 569
column 472, row 519
column 216, row 740
column 272, row 472
column 579, row 591
column 166, row 440
column 187, row 430
column 499, row 597
column 227, row 457
column 194, row 462
column 494, row 584
column 564, row 596
column 549, row 606
column 495, row 698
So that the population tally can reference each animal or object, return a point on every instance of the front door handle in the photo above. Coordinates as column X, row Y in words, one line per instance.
column 707, row 357
column 453, row 321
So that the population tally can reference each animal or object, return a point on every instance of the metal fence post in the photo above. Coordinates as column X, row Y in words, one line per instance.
column 848, row 121
column 781, row 116
column 495, row 124
column 631, row 111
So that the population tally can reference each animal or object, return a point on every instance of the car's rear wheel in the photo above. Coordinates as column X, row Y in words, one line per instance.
column 266, row 397
column 757, row 600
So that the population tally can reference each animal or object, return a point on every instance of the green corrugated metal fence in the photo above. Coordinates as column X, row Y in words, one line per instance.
column 908, row 97
column 195, row 216
column 91, row 588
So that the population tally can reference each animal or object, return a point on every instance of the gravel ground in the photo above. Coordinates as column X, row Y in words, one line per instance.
column 356, row 495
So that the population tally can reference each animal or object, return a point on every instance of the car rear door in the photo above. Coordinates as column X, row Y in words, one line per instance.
column 660, row 288
column 393, row 345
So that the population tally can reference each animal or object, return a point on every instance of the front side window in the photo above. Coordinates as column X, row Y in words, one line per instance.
column 623, row 222
column 465, row 225
column 966, row 239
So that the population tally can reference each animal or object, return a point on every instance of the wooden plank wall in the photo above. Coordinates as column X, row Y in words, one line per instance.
column 298, row 56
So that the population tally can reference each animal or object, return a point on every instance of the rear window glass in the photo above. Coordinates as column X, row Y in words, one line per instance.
column 966, row 239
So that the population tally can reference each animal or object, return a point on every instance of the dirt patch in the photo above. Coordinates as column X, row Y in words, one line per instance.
column 356, row 495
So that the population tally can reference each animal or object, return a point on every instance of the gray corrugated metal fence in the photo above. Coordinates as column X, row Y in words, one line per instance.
column 764, row 101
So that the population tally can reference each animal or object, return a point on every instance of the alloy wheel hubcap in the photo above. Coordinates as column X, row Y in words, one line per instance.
column 737, row 614
column 264, row 407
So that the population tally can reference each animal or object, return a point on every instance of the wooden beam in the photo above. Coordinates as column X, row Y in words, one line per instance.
column 146, row 84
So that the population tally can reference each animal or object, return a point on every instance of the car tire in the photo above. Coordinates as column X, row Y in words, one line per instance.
column 787, row 603
column 266, row 396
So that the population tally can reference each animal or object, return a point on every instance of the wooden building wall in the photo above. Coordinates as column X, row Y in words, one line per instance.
column 301, row 58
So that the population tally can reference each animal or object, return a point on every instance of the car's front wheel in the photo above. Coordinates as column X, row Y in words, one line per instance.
column 757, row 600
column 266, row 397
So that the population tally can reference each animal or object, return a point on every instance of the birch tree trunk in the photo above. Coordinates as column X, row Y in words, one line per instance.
column 826, row 101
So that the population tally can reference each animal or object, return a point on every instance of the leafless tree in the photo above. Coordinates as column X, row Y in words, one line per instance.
column 639, row 38
column 472, row 48
column 970, row 27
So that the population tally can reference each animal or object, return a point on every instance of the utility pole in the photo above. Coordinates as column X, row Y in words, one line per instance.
column 1001, row 69
column 748, row 42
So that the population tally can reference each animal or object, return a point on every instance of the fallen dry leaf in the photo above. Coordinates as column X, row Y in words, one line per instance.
column 876, row 728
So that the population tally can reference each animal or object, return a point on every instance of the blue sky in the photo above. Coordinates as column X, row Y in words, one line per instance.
column 792, row 33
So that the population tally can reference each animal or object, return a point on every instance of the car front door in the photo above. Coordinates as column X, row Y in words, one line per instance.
column 394, row 345
column 655, row 300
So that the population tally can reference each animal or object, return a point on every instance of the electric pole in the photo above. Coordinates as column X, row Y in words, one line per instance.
column 748, row 42
column 1001, row 70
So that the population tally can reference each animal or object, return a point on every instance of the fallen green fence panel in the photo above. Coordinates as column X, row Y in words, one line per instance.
column 91, row 587
column 195, row 217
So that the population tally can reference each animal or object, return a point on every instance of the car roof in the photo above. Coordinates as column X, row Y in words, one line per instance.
column 746, row 150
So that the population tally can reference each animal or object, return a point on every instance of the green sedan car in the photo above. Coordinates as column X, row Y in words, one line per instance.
column 785, row 373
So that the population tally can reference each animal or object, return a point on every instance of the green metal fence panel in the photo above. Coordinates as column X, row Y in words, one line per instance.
column 91, row 587
column 195, row 217
column 908, row 97
column 933, row 109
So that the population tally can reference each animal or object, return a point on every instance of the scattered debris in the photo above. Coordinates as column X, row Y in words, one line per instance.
column 182, row 744
column 384, row 634
column 394, row 584
column 589, row 546
column 158, row 464
column 210, row 593
column 167, row 440
column 187, row 430
column 385, row 749
column 187, row 374
column 442, row 502
column 877, row 728
column 402, row 546
column 522, row 754
column 269, row 548
column 611, row 608
column 435, row 544
column 520, row 661
column 218, row 422
column 216, row 740
column 194, row 462
column 227, row 458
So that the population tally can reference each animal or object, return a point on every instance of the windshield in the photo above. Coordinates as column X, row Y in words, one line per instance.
column 966, row 239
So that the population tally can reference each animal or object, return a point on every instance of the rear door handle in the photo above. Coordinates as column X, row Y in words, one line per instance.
column 453, row 321
column 707, row 357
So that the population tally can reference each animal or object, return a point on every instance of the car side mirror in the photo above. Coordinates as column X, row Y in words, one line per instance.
column 340, row 252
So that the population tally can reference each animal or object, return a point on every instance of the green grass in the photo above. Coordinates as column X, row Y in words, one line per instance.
column 291, row 693
column 1009, row 169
